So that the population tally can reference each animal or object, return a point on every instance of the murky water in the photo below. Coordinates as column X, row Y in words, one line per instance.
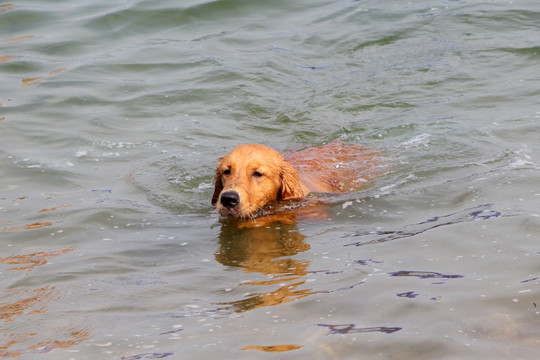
column 113, row 116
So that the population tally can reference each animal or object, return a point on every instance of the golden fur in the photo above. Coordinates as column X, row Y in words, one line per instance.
column 253, row 175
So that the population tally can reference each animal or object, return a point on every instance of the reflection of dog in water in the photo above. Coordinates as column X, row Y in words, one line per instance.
column 262, row 249
column 252, row 176
column 267, row 250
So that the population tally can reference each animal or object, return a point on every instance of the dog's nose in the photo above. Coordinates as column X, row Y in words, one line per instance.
column 230, row 199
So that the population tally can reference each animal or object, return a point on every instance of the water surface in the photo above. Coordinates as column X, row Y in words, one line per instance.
column 113, row 116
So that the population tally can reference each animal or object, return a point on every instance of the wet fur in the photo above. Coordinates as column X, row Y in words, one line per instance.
column 260, row 175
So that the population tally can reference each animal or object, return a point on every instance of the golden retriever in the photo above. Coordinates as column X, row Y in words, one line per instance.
column 253, row 175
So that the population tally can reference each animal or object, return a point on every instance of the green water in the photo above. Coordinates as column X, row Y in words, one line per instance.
column 114, row 114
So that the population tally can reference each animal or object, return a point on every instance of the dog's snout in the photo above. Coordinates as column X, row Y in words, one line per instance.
column 230, row 199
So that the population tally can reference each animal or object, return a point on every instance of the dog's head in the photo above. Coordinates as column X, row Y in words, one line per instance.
column 250, row 177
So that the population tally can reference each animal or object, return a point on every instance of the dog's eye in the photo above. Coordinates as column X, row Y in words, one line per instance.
column 227, row 171
column 257, row 174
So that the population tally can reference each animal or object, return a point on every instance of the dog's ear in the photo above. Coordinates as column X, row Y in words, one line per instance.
column 291, row 186
column 218, row 187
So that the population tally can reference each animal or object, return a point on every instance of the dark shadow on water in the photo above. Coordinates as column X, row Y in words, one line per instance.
column 480, row 212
